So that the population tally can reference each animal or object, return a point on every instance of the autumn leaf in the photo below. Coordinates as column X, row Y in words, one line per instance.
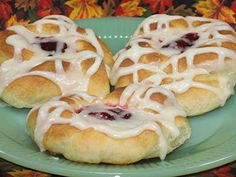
column 215, row 9
column 180, row 10
column 158, row 6
column 27, row 173
column 25, row 5
column 224, row 171
column 45, row 8
column 5, row 10
column 13, row 21
column 108, row 7
column 84, row 9
column 233, row 6
column 129, row 8
column 45, row 12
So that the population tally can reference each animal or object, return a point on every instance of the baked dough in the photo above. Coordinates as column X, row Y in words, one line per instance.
column 129, row 124
column 50, row 57
column 194, row 57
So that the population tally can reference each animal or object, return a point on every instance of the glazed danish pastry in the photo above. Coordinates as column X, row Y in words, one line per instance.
column 194, row 57
column 50, row 57
column 129, row 124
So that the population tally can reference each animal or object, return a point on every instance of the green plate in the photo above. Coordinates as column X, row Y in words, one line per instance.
column 213, row 141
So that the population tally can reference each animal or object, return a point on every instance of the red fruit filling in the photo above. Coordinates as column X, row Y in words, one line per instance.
column 102, row 115
column 79, row 110
column 184, row 42
column 50, row 45
column 109, row 114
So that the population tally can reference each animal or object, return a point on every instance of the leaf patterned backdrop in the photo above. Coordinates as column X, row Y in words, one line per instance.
column 25, row 11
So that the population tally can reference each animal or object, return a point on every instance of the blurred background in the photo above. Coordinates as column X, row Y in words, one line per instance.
column 14, row 12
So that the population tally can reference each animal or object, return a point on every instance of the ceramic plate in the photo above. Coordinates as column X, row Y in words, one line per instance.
column 213, row 141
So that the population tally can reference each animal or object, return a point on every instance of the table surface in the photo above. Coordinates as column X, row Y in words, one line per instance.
column 8, row 169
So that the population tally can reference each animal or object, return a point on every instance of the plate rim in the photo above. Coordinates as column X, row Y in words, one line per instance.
column 211, row 163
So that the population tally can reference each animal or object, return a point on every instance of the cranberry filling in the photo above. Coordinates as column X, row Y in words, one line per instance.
column 191, row 36
column 102, row 115
column 52, row 46
column 79, row 110
column 184, row 42
column 49, row 44
column 114, row 113
column 127, row 116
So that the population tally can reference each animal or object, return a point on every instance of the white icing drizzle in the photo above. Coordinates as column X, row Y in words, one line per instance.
column 72, row 80
column 119, row 128
column 46, row 119
column 159, row 37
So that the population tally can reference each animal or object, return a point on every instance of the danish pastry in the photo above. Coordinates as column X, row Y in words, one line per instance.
column 129, row 124
column 50, row 57
column 194, row 57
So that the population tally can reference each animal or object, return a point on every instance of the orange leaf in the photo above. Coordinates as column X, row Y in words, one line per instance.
column 27, row 173
column 84, row 9
column 130, row 8
column 108, row 7
column 233, row 6
column 159, row 6
column 215, row 9
column 13, row 21
column 226, row 14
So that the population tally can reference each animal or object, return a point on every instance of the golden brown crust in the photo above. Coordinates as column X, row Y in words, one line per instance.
column 98, row 80
column 97, row 146
column 46, row 29
column 99, row 77
column 175, row 23
column 6, row 50
column 125, row 80
column 108, row 57
column 29, row 91
column 196, row 101
column 114, row 97
column 50, row 66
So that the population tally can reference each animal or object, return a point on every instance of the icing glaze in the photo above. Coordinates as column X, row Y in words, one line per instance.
column 60, row 47
column 163, row 39
column 133, row 101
